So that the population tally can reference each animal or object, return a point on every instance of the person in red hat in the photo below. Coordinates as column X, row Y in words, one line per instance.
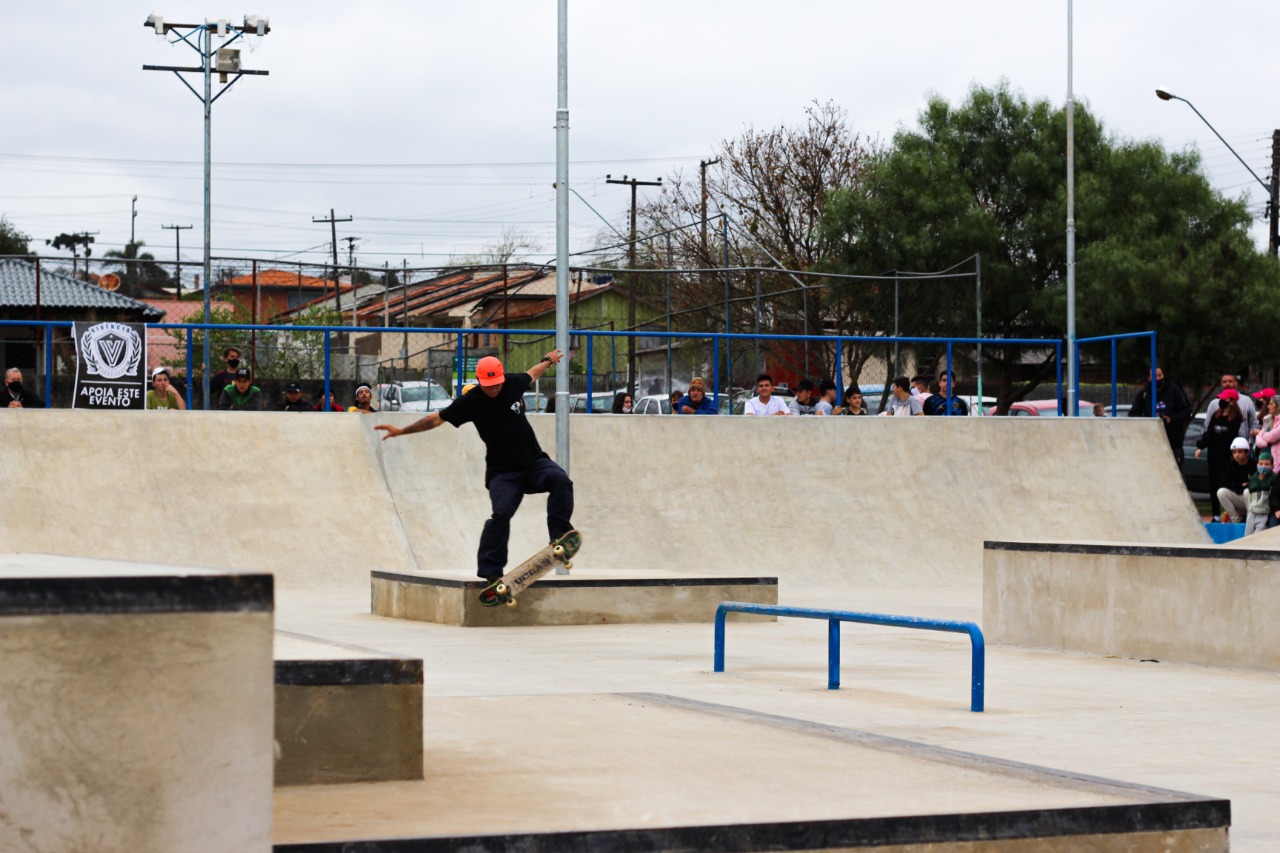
column 515, row 465
column 1221, row 429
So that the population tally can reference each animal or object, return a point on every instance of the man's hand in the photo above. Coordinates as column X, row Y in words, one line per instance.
column 391, row 431
column 15, row 404
column 555, row 355
column 687, row 410
column 1197, row 453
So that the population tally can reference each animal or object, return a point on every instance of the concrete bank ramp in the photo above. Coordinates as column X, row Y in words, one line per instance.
column 296, row 495
column 873, row 501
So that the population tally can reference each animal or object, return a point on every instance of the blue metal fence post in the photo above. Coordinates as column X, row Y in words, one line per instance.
column 48, row 368
column 328, row 384
column 839, row 377
column 458, row 378
column 1113, row 377
column 591, row 363
column 191, row 335
column 1057, row 358
column 1154, row 414
column 977, row 670
column 951, row 382
column 1075, row 374
column 718, row 657
column 833, row 654
column 715, row 369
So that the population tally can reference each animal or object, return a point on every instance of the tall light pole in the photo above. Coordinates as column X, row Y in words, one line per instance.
column 562, row 231
column 1072, row 408
column 1271, row 187
column 225, row 60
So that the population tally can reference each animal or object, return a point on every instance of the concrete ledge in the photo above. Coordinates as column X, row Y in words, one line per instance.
column 577, row 599
column 1195, row 604
column 354, row 719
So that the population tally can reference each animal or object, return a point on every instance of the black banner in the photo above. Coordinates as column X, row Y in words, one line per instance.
column 111, row 366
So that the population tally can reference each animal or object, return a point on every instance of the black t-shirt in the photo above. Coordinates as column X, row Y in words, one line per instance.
column 510, row 444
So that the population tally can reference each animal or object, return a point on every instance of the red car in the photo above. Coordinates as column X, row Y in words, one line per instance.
column 1044, row 409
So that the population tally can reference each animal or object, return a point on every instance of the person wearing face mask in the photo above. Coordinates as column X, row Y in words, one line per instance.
column 1170, row 405
column 19, row 397
column 223, row 378
column 1263, row 501
column 621, row 403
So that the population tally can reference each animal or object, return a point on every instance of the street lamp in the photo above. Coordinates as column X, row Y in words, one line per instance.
column 1271, row 186
column 224, row 60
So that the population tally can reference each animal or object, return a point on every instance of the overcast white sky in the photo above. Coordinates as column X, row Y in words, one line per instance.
column 432, row 123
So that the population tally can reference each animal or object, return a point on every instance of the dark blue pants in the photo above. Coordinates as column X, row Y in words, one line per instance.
column 506, row 491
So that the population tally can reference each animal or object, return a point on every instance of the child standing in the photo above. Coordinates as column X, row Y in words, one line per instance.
column 1259, row 495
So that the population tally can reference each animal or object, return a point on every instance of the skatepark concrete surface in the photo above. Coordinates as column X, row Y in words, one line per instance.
column 861, row 514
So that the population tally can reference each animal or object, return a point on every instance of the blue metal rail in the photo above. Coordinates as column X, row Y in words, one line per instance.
column 1113, row 339
column 977, row 671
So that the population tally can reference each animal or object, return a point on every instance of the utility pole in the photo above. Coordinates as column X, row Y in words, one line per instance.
column 631, row 281
column 333, row 241
column 351, row 267
column 177, row 253
column 1273, row 208
column 702, row 167
column 133, row 211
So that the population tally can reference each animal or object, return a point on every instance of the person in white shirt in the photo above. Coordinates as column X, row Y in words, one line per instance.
column 764, row 403
column 903, row 402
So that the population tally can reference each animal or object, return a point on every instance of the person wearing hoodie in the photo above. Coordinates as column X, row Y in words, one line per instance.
column 1260, row 491
column 1168, row 402
column 1224, row 426
column 1234, row 480
column 1268, row 438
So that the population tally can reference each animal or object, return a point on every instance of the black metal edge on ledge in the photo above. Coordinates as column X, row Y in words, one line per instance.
column 350, row 672
column 823, row 834
column 1130, row 550
column 584, row 582
column 136, row 594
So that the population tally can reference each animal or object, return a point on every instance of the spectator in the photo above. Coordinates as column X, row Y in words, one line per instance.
column 902, row 402
column 1221, row 429
column 764, row 403
column 1235, row 479
column 20, row 397
column 1099, row 410
column 803, row 403
column 1244, row 401
column 1269, row 438
column 241, row 395
column 1258, row 495
column 826, row 404
column 696, row 401
column 293, row 401
column 163, row 395
column 333, row 404
column 1170, row 403
column 1262, row 402
column 364, row 401
column 853, row 404
column 920, row 388
column 675, row 402
column 223, row 378
column 622, row 403
column 937, row 404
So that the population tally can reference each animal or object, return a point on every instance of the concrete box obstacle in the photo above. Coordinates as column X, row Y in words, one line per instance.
column 135, row 707
column 345, row 715
column 1205, row 605
column 580, row 598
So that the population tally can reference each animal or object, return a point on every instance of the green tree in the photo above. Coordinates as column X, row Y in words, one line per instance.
column 140, row 271
column 13, row 241
column 1157, row 248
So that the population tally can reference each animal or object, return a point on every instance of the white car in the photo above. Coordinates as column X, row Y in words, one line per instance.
column 425, row 396
column 652, row 404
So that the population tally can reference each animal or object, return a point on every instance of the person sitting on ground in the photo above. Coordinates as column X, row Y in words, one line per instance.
column 621, row 403
column 826, row 404
column 241, row 395
column 1234, row 482
column 20, row 397
column 902, row 402
column 764, row 403
column 333, row 404
column 1221, row 429
column 1258, row 496
column 293, row 400
column 803, row 403
column 163, row 395
column 675, row 402
column 696, row 402
column 937, row 404
column 364, row 401
column 853, row 404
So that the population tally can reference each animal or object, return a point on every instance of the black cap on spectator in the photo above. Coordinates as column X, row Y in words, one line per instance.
column 292, row 387
column 244, row 373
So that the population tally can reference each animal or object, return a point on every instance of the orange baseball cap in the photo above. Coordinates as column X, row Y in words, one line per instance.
column 489, row 371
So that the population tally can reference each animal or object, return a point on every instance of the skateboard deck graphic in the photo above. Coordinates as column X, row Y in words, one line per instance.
column 505, row 589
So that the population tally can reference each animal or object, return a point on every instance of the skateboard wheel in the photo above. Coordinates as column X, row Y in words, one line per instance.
column 510, row 602
column 558, row 550
column 568, row 565
column 500, row 588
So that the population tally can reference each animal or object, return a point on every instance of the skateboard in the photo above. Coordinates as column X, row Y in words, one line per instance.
column 506, row 588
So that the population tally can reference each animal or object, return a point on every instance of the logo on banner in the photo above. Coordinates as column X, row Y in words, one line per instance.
column 110, row 373
column 111, row 350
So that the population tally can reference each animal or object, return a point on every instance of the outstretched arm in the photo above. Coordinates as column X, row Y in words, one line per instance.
column 431, row 421
column 549, row 359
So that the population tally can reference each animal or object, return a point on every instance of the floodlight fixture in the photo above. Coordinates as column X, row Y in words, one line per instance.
column 156, row 21
column 257, row 24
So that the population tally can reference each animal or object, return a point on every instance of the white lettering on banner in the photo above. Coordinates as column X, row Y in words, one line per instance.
column 99, row 395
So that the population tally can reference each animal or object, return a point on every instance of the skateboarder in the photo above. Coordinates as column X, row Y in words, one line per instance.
column 515, row 464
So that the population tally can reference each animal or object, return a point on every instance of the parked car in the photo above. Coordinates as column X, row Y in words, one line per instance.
column 1195, row 472
column 535, row 401
column 1044, row 409
column 601, row 402
column 651, row 404
column 425, row 396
